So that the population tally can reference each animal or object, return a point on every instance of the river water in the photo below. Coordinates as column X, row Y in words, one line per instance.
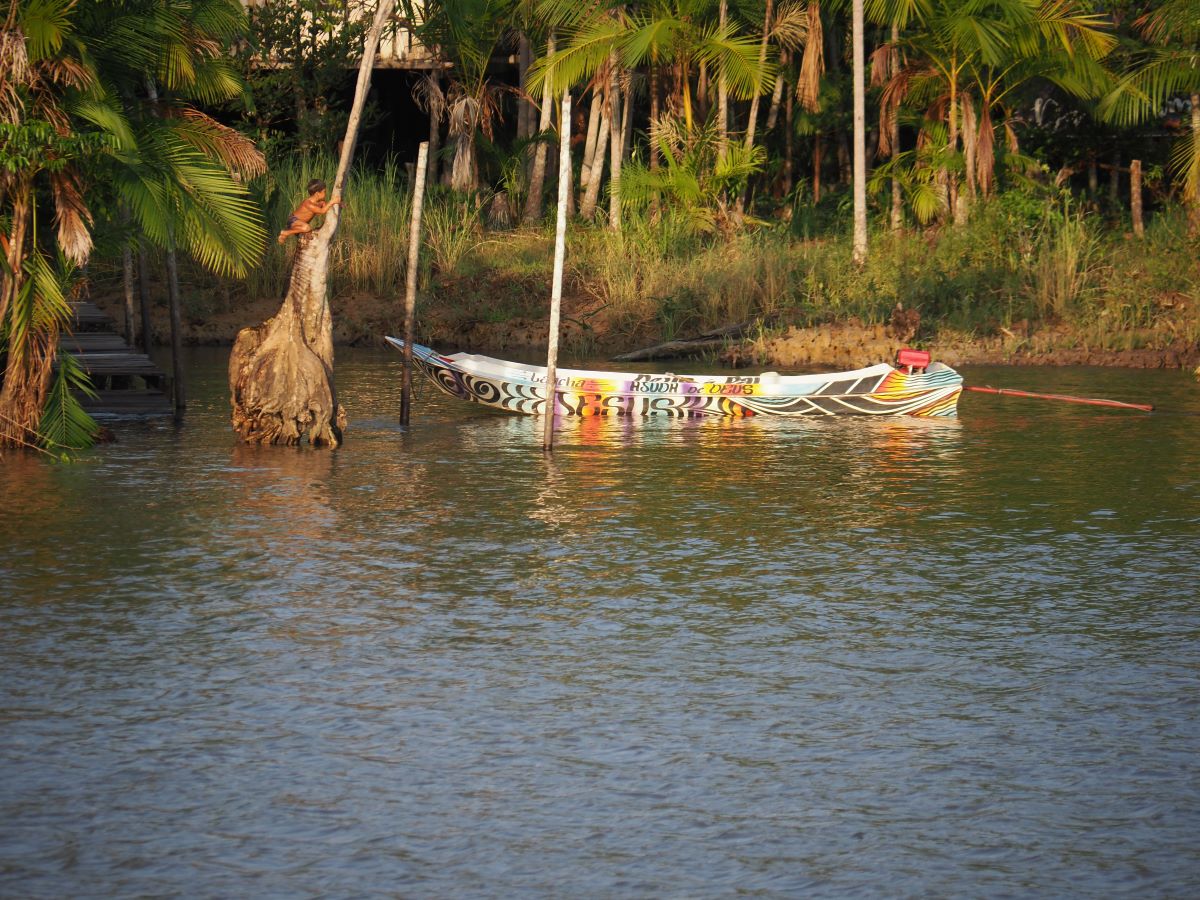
column 852, row 658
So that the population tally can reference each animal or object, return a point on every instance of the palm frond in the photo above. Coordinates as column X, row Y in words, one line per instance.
column 578, row 59
column 45, row 24
column 71, row 214
column 812, row 64
column 1185, row 163
column 237, row 152
column 64, row 424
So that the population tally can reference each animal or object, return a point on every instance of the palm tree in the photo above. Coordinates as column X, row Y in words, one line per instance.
column 601, row 43
column 958, row 54
column 77, row 123
column 467, row 33
column 1168, row 68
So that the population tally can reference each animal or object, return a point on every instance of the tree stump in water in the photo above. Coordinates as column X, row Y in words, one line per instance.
column 281, row 372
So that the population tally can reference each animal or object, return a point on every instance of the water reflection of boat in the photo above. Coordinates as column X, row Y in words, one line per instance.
column 879, row 390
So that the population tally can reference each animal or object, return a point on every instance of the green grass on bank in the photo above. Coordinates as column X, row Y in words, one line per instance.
column 1025, row 260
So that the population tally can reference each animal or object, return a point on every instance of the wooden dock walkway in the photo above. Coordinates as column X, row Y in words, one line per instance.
column 126, row 380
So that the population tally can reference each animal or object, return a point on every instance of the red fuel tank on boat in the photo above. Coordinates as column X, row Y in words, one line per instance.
column 913, row 360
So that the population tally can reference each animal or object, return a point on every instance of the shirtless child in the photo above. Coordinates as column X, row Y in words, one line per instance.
column 313, row 205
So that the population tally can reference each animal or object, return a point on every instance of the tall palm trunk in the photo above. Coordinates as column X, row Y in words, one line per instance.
column 23, row 392
column 894, row 125
column 436, row 110
column 970, row 138
column 589, row 143
column 144, row 297
column 179, row 387
column 525, row 117
column 654, row 113
column 1192, row 191
column 750, row 127
column 591, row 194
column 616, row 144
column 777, row 93
column 723, row 92
column 127, row 280
column 762, row 65
column 951, row 180
column 537, row 177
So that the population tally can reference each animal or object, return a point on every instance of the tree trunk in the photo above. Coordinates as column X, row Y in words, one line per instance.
column 281, row 372
column 1192, row 190
column 722, row 91
column 525, row 114
column 29, row 359
column 654, row 88
column 970, row 139
column 897, row 197
column 616, row 146
column 587, row 208
column 818, row 149
column 860, row 137
column 751, row 125
column 178, row 384
column 127, row 281
column 589, row 142
column 435, row 131
column 144, row 298
column 777, row 94
column 951, row 181
column 537, row 177
column 1135, row 197
column 627, row 115
column 789, row 142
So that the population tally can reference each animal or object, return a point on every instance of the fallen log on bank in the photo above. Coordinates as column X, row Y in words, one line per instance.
column 281, row 372
column 717, row 339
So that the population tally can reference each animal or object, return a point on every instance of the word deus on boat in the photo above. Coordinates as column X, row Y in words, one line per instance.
column 918, row 388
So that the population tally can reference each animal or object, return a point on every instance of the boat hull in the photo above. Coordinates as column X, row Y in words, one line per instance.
column 876, row 391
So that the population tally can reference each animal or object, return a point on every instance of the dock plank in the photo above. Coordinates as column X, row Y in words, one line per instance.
column 127, row 382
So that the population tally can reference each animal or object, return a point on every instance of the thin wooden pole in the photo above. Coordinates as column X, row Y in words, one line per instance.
column 560, row 242
column 410, row 295
column 860, row 139
column 179, row 391
column 144, row 297
column 1135, row 197
column 1065, row 398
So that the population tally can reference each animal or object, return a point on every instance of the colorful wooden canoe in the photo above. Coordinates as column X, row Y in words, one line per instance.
column 879, row 390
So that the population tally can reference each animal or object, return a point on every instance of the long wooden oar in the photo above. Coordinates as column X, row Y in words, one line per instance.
column 1090, row 401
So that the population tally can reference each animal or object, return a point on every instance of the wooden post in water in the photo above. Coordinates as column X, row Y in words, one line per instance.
column 1135, row 196
column 560, row 241
column 410, row 294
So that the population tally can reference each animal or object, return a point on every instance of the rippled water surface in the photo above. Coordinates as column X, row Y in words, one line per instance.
column 835, row 658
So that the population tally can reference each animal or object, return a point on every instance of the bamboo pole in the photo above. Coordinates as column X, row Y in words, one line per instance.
column 560, row 240
column 410, row 294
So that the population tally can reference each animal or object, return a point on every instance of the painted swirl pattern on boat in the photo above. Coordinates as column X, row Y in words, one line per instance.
column 876, row 391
